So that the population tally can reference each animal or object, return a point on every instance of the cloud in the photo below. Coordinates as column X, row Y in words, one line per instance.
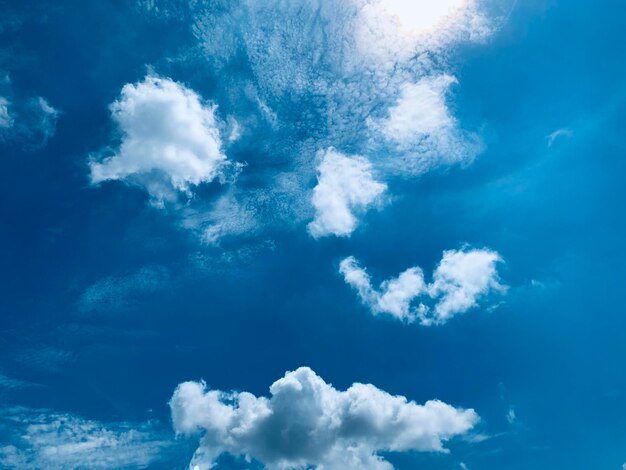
column 6, row 120
column 370, row 77
column 30, row 122
column 306, row 422
column 36, row 439
column 422, row 129
column 115, row 293
column 225, row 217
column 170, row 140
column 345, row 189
column 511, row 417
column 559, row 133
column 392, row 31
column 459, row 281
column 325, row 68
column 394, row 297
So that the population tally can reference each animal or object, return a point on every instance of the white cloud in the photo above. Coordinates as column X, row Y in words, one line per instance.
column 170, row 140
column 308, row 423
column 36, row 439
column 422, row 129
column 395, row 30
column 624, row 466
column 420, row 111
column 346, row 188
column 225, row 217
column 459, row 281
column 511, row 417
column 394, row 297
column 6, row 120
column 559, row 133
column 30, row 122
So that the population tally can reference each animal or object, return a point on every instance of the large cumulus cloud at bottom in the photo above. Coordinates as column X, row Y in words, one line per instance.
column 306, row 422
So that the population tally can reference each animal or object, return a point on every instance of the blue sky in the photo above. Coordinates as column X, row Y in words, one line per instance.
column 354, row 234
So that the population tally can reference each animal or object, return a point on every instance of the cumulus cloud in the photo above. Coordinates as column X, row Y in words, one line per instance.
column 36, row 439
column 306, row 422
column 394, row 297
column 346, row 188
column 170, row 140
column 459, row 281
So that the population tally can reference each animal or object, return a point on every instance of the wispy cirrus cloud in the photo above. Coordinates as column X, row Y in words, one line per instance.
column 114, row 294
column 306, row 423
column 29, row 122
column 37, row 438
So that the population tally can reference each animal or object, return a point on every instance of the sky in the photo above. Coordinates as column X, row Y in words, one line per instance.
column 312, row 234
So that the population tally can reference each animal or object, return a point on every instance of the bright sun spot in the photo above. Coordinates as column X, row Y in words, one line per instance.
column 418, row 16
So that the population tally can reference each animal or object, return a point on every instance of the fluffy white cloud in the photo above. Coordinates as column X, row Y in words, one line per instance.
column 394, row 297
column 345, row 189
column 308, row 423
column 459, row 281
column 170, row 140
column 37, row 439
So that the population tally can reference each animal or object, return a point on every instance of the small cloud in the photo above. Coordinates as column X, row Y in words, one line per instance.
column 511, row 416
column 6, row 120
column 459, row 281
column 463, row 466
column 114, row 294
column 559, row 133
column 345, row 189
column 30, row 122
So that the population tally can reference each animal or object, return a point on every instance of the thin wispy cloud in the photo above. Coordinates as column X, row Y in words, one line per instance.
column 37, row 438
